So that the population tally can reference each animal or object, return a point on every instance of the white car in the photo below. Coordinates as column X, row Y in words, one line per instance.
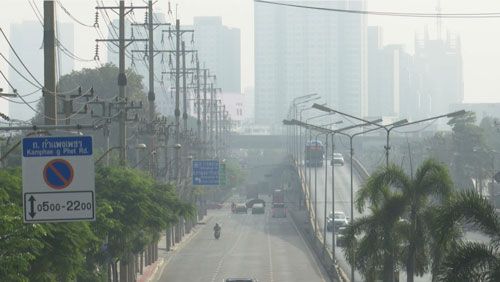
column 338, row 219
column 338, row 159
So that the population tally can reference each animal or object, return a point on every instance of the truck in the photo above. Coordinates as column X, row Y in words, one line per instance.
column 278, row 203
column 314, row 153
column 278, row 196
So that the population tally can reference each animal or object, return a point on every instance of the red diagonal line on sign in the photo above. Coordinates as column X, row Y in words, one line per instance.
column 58, row 174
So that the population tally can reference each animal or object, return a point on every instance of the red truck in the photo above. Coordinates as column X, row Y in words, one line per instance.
column 278, row 196
column 278, row 207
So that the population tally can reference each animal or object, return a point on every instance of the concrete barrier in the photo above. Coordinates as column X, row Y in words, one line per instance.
column 304, row 220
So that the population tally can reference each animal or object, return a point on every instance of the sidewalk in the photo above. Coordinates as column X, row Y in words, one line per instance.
column 152, row 272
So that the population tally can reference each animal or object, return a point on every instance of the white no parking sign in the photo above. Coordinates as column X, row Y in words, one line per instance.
column 58, row 179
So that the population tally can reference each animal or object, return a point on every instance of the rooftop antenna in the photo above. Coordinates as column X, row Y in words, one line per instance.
column 438, row 19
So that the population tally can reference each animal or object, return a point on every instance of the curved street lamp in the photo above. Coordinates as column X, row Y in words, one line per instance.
column 390, row 127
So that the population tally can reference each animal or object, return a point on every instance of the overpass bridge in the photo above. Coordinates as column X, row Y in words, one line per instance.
column 258, row 142
column 265, row 142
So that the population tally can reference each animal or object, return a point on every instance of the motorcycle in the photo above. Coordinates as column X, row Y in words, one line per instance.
column 217, row 234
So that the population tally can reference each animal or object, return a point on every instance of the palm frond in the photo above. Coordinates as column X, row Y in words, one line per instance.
column 432, row 178
column 470, row 261
column 471, row 207
column 378, row 186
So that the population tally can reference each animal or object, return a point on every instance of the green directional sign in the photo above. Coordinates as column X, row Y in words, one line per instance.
column 222, row 174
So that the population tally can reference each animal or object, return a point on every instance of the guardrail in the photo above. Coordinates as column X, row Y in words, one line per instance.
column 316, row 238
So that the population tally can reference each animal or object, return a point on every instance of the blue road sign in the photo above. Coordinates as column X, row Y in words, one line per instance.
column 58, row 174
column 205, row 172
column 57, row 146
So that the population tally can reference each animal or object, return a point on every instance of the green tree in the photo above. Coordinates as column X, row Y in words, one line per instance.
column 133, row 209
column 400, row 221
column 375, row 241
column 469, row 144
column 19, row 243
column 103, row 81
column 467, row 260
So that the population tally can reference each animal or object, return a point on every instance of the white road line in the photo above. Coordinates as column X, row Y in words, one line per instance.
column 270, row 253
column 221, row 261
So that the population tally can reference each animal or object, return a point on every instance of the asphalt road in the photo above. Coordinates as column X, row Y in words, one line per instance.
column 342, row 201
column 256, row 246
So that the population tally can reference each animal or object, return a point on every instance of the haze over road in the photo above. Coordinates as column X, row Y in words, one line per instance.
column 256, row 246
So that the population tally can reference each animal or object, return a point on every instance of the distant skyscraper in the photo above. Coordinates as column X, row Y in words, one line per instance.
column 298, row 52
column 439, row 64
column 219, row 48
column 383, row 75
column 27, row 39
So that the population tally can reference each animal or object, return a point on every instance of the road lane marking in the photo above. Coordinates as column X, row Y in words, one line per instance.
column 221, row 261
column 270, row 253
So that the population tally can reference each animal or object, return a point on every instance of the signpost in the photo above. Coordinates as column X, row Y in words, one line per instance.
column 206, row 172
column 222, row 174
column 58, row 179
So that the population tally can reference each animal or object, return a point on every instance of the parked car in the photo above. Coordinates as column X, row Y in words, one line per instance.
column 338, row 158
column 278, row 210
column 338, row 219
column 258, row 208
column 240, row 208
column 255, row 201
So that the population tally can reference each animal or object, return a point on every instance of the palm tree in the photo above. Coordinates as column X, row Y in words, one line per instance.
column 410, row 216
column 467, row 260
column 376, row 253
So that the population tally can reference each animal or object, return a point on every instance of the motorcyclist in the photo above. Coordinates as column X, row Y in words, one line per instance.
column 217, row 227
column 233, row 206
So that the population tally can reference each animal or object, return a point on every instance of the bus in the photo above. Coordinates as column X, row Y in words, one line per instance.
column 314, row 153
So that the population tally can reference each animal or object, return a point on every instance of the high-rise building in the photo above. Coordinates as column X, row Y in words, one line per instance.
column 219, row 48
column 439, row 64
column 383, row 75
column 27, row 39
column 298, row 52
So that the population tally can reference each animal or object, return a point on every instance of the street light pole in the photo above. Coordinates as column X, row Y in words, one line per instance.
column 296, row 122
column 388, row 129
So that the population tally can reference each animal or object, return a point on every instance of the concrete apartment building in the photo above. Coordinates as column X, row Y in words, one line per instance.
column 298, row 52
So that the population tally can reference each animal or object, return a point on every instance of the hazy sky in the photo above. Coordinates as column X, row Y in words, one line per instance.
column 480, row 37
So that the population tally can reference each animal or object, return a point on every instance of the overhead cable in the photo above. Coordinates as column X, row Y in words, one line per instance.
column 391, row 14
column 17, row 56
column 71, row 16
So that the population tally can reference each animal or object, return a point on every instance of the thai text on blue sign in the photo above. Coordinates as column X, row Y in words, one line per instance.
column 205, row 172
column 57, row 146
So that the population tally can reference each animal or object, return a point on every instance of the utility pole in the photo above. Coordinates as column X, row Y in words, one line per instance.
column 212, row 114
column 151, row 92
column 68, row 100
column 122, row 83
column 184, row 87
column 205, row 107
column 177, row 89
column 49, row 90
column 198, row 102
column 217, row 126
column 122, row 78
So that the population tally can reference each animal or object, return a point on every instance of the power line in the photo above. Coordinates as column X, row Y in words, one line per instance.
column 71, row 16
column 38, row 16
column 19, row 73
column 391, row 14
column 70, row 54
column 17, row 56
